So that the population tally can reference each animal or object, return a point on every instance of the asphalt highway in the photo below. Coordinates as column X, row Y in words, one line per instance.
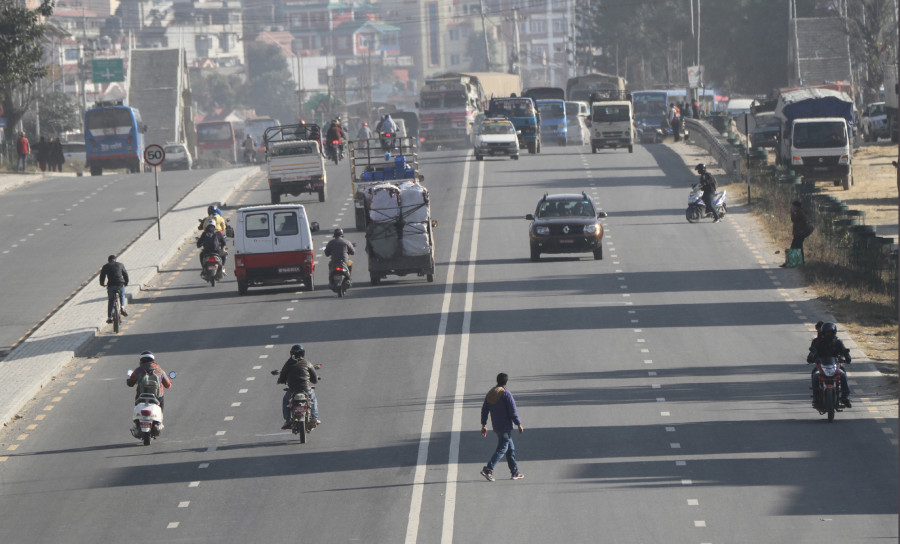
column 663, row 389
column 59, row 231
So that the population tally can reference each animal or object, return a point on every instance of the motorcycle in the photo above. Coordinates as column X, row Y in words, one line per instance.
column 148, row 416
column 212, row 268
column 339, row 278
column 696, row 209
column 827, row 392
column 302, row 421
column 334, row 151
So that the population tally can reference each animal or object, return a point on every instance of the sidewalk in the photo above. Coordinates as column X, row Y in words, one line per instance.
column 33, row 363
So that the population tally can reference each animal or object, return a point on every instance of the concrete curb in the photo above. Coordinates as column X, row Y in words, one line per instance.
column 38, row 359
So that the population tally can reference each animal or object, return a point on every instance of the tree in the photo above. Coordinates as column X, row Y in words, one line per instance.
column 21, row 54
column 214, row 89
column 59, row 113
column 871, row 26
column 270, row 88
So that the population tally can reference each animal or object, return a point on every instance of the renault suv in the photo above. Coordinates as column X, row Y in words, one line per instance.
column 566, row 223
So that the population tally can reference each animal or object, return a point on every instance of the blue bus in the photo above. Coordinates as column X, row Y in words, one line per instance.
column 113, row 138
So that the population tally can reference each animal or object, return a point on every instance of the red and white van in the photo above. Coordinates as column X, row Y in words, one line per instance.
column 273, row 245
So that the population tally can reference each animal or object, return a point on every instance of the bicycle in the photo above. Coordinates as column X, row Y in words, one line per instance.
column 117, row 309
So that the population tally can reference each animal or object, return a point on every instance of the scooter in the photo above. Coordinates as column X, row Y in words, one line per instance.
column 212, row 268
column 339, row 278
column 696, row 209
column 827, row 392
column 148, row 416
column 388, row 141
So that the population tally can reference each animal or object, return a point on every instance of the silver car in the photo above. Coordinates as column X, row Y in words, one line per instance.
column 578, row 133
column 177, row 158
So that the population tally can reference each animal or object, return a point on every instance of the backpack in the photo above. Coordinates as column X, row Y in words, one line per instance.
column 210, row 242
column 149, row 383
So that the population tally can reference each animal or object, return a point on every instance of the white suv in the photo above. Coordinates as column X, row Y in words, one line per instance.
column 496, row 137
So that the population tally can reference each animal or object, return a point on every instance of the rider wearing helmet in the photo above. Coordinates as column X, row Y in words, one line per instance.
column 709, row 186
column 827, row 344
column 213, row 215
column 365, row 133
column 149, row 367
column 298, row 373
column 211, row 241
column 339, row 250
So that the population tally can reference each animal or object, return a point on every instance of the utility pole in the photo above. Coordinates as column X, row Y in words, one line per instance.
column 518, row 51
column 487, row 51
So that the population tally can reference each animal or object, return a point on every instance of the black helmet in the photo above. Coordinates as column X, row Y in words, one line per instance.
column 297, row 351
column 829, row 329
column 211, row 226
column 111, row 258
column 338, row 232
column 147, row 357
column 700, row 168
column 211, row 209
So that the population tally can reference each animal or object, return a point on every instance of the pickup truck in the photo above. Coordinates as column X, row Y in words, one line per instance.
column 294, row 161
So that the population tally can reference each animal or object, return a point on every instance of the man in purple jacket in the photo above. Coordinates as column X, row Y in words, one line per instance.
column 502, row 407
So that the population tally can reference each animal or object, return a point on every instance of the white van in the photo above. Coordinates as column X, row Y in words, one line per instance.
column 273, row 245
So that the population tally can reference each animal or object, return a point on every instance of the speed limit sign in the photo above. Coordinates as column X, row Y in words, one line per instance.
column 154, row 155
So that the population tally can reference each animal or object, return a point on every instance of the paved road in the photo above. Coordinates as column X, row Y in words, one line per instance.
column 58, row 232
column 661, row 389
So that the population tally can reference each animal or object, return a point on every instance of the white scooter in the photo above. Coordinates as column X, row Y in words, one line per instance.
column 148, row 416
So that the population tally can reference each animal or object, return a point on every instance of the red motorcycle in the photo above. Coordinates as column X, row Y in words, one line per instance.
column 827, row 389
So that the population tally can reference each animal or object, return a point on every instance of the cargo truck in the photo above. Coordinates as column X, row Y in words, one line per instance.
column 815, row 134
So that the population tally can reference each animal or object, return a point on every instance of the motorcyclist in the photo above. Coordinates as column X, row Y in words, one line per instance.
column 214, row 215
column 212, row 242
column 298, row 373
column 335, row 133
column 827, row 344
column 339, row 250
column 365, row 133
column 148, row 366
column 708, row 185
column 388, row 126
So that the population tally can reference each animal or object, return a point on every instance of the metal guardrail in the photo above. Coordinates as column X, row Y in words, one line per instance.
column 701, row 133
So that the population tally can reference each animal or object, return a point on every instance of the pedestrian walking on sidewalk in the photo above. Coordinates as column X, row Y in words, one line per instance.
column 23, row 150
column 57, row 157
column 501, row 405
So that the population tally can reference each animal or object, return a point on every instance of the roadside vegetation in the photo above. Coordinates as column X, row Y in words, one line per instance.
column 858, row 286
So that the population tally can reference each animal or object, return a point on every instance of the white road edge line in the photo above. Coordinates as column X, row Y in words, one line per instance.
column 418, row 487
column 460, row 392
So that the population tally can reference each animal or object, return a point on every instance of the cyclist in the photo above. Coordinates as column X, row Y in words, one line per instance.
column 114, row 277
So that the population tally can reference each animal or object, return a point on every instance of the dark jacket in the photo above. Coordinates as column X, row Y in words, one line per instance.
column 298, row 375
column 211, row 242
column 500, row 403
column 114, row 272
column 56, row 155
column 825, row 347
column 800, row 222
column 339, row 250
column 708, row 183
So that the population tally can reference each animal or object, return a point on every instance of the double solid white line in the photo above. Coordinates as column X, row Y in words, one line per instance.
column 415, row 507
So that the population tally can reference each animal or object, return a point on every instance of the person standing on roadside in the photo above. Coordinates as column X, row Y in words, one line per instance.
column 801, row 228
column 115, row 278
column 501, row 405
column 23, row 150
column 42, row 152
column 57, row 157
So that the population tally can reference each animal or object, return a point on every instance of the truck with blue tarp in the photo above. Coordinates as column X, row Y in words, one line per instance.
column 524, row 116
column 393, row 208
